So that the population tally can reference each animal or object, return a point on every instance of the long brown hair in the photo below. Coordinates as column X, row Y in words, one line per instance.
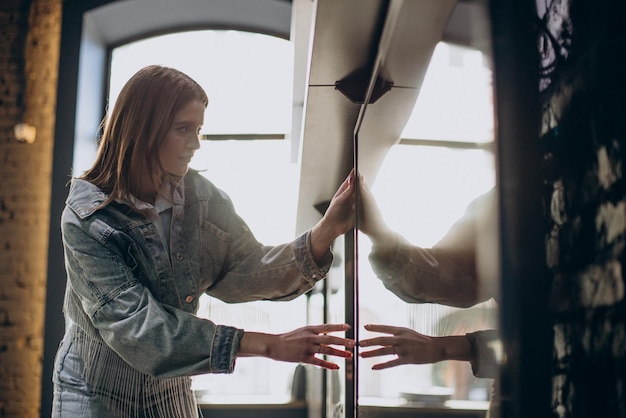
column 128, row 153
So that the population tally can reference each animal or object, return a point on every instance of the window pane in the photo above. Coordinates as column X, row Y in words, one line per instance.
column 248, row 76
column 262, row 182
column 260, row 179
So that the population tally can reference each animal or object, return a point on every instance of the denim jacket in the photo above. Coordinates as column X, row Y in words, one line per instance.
column 130, row 303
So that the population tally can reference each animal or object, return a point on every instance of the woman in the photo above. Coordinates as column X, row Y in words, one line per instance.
column 144, row 237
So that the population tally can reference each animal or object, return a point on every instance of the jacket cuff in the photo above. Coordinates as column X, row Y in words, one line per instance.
column 224, row 355
column 485, row 353
column 312, row 271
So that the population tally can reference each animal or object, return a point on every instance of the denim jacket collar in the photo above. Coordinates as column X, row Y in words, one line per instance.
column 85, row 198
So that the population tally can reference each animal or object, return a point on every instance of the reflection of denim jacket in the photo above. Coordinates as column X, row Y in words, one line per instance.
column 129, row 298
column 450, row 273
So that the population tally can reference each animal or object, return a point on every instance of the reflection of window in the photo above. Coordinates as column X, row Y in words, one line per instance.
column 248, row 78
column 425, row 184
column 455, row 101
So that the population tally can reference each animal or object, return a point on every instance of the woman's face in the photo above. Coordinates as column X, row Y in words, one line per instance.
column 182, row 139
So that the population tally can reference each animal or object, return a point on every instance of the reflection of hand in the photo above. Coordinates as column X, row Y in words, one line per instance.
column 371, row 220
column 411, row 347
column 371, row 223
column 298, row 346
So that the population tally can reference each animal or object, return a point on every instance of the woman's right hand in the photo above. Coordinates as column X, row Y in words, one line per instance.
column 337, row 220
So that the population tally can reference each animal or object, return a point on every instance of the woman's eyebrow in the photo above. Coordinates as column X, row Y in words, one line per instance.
column 186, row 122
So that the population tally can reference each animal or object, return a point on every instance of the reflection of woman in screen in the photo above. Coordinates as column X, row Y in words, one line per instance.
column 450, row 273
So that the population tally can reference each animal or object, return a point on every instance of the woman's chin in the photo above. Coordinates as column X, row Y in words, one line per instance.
column 178, row 174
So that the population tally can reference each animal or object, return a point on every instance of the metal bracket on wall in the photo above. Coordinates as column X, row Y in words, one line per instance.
column 23, row 132
column 354, row 86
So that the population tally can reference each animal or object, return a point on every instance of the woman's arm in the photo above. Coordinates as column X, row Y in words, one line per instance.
column 251, row 271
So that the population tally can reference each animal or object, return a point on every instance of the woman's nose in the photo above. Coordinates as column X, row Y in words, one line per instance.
column 194, row 142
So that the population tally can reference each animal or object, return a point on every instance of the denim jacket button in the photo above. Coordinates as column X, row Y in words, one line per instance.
column 179, row 256
column 189, row 299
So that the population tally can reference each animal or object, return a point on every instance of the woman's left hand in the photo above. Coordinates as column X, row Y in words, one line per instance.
column 304, row 345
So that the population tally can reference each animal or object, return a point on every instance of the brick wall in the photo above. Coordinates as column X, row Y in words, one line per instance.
column 584, row 137
column 29, row 49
